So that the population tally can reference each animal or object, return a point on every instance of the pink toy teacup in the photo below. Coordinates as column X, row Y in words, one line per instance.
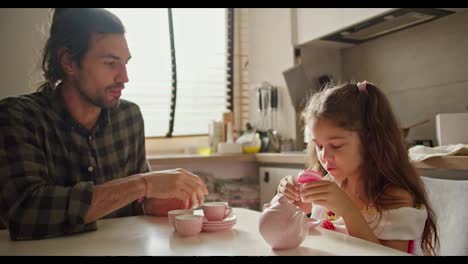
column 172, row 215
column 216, row 211
column 188, row 225
column 306, row 176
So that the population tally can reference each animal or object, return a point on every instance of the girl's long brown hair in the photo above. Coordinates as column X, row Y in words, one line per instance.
column 369, row 113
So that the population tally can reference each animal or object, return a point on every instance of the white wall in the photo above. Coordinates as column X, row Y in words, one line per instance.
column 423, row 70
column 22, row 41
column 321, row 60
column 270, row 53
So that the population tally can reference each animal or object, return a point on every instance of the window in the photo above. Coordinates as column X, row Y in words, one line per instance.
column 201, row 52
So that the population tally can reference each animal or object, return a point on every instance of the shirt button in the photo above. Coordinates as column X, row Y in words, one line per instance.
column 90, row 168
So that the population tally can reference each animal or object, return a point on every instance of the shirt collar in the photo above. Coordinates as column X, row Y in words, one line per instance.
column 59, row 107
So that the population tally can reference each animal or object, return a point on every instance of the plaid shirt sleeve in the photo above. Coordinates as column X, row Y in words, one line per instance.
column 31, row 206
column 142, row 162
column 141, row 156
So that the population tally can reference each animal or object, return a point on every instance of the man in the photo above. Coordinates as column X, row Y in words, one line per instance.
column 73, row 152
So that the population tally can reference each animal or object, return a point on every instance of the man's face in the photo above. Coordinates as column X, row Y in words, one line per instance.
column 103, row 71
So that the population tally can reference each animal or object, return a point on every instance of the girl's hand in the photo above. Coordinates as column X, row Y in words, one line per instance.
column 327, row 194
column 289, row 187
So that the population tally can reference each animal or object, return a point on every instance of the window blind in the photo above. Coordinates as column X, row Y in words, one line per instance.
column 200, row 43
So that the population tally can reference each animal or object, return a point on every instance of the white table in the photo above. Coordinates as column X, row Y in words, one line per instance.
column 146, row 235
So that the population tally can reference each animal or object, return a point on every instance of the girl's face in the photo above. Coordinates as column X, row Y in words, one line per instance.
column 338, row 150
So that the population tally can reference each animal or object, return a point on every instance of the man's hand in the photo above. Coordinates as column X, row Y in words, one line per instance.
column 160, row 207
column 177, row 183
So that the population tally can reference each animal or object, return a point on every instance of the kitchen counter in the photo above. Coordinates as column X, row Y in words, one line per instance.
column 445, row 162
column 153, row 236
column 291, row 158
column 178, row 158
column 298, row 159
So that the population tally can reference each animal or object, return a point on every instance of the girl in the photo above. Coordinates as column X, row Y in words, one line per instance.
column 370, row 189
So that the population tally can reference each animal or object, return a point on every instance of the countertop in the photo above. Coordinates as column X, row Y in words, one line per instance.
column 445, row 162
column 299, row 158
column 153, row 236
column 177, row 158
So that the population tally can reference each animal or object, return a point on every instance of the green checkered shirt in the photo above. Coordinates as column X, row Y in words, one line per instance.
column 49, row 163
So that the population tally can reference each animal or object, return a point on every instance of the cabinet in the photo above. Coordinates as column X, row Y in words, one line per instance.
column 352, row 16
column 269, row 180
column 314, row 23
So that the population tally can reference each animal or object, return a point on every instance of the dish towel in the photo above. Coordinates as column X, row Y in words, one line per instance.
column 420, row 152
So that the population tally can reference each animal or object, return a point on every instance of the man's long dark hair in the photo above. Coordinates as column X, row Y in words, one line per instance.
column 72, row 29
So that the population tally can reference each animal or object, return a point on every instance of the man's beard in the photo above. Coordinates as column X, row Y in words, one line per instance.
column 99, row 102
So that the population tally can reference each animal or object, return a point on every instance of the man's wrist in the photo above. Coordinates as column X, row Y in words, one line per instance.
column 143, row 191
column 143, row 207
column 140, row 202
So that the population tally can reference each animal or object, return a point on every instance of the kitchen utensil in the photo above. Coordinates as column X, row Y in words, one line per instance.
column 259, row 109
column 266, row 103
column 274, row 107
column 275, row 139
column 265, row 139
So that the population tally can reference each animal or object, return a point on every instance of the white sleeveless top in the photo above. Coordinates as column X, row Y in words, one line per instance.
column 404, row 223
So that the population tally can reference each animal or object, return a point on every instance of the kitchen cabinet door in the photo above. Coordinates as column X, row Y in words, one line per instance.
column 313, row 23
column 351, row 16
column 269, row 180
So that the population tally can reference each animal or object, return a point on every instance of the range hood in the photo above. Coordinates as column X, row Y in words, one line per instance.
column 387, row 23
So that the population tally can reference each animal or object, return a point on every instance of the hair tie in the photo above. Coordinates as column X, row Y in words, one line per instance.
column 362, row 86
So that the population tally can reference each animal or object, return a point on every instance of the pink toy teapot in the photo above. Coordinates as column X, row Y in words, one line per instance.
column 282, row 224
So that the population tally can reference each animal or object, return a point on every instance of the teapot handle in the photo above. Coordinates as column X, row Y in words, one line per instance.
column 314, row 222
column 266, row 206
column 278, row 198
column 281, row 198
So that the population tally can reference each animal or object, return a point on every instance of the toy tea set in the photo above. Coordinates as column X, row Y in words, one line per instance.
column 217, row 216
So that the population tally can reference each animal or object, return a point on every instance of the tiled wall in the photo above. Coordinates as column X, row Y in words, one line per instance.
column 423, row 70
